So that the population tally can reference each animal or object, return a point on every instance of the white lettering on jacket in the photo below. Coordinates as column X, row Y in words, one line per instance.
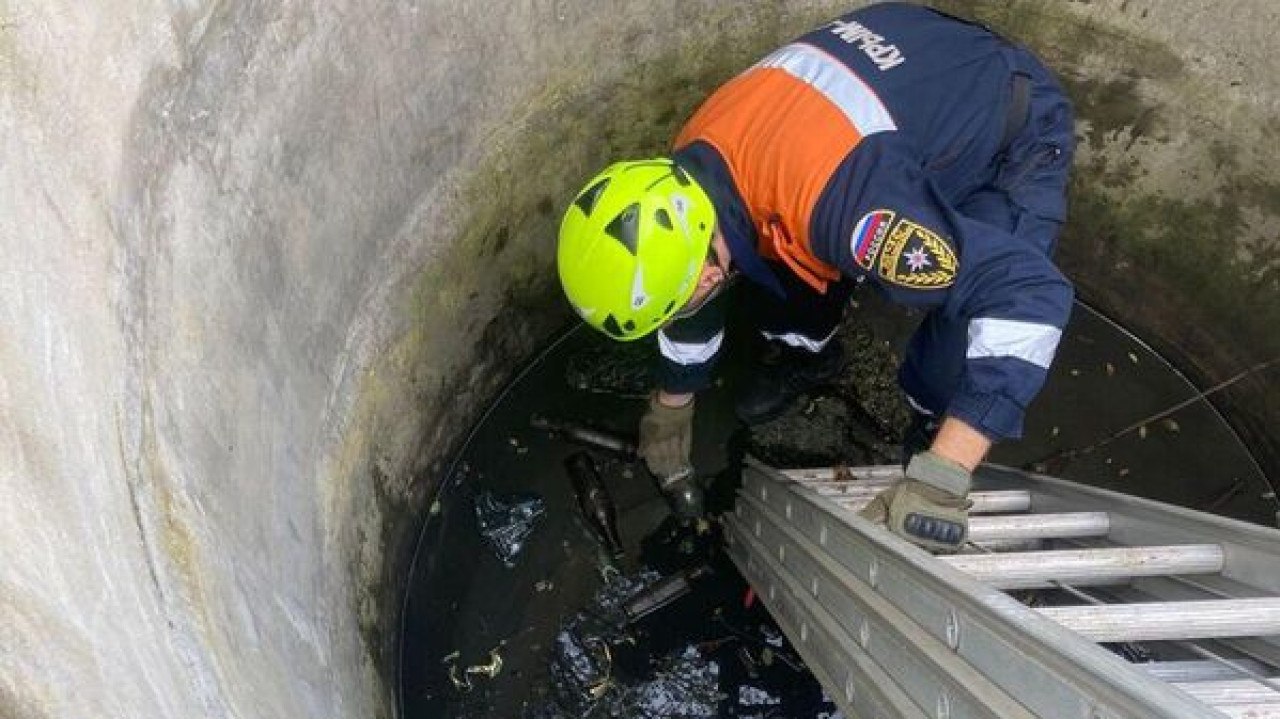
column 885, row 57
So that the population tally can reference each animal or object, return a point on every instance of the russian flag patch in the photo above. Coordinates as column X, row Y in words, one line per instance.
column 868, row 236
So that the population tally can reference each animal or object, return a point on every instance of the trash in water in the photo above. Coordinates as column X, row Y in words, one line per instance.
column 489, row 669
column 660, row 594
column 461, row 678
column 581, row 660
column 771, row 637
column 584, row 679
column 684, row 685
column 597, row 507
column 749, row 696
column 506, row 522
column 581, row 668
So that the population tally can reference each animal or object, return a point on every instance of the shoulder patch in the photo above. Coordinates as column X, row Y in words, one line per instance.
column 915, row 256
column 868, row 235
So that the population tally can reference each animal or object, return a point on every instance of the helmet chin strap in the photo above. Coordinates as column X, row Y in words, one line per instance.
column 727, row 280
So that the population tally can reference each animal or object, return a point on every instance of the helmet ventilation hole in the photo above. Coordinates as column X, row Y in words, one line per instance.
column 625, row 228
column 589, row 197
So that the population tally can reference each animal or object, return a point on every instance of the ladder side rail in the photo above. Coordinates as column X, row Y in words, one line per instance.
column 923, row 664
column 982, row 624
column 866, row 690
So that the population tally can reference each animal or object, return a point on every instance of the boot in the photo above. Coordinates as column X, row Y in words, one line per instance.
column 785, row 374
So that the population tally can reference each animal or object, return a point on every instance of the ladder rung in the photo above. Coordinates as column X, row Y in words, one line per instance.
column 1157, row 621
column 850, row 489
column 884, row 472
column 1199, row 670
column 1012, row 500
column 1250, row 711
column 1039, row 526
column 1025, row 570
column 1231, row 691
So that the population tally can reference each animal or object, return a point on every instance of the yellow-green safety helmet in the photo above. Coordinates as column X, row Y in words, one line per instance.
column 632, row 245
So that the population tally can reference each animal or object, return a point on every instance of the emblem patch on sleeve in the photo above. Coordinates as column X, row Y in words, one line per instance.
column 868, row 235
column 915, row 256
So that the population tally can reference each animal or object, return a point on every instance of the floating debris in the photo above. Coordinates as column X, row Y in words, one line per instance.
column 658, row 595
column 583, row 680
column 1110, row 368
column 1142, row 432
column 749, row 696
column 461, row 678
column 581, row 669
column 686, row 686
column 771, row 637
column 506, row 522
column 1171, row 425
column 544, row 585
column 1133, row 358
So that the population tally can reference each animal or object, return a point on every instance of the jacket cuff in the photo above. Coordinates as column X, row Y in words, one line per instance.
column 940, row 473
column 994, row 415
column 683, row 379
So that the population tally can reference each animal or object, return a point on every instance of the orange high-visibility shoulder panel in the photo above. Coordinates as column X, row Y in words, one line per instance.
column 782, row 128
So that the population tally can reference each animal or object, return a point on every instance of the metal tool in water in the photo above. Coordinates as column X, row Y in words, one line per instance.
column 681, row 489
column 580, row 433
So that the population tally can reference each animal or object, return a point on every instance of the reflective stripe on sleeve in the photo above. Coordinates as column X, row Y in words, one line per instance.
column 688, row 353
column 1028, row 341
column 836, row 82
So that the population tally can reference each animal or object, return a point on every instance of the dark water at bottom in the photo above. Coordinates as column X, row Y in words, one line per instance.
column 465, row 606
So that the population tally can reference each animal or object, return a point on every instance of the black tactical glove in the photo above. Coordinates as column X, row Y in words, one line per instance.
column 929, row 508
column 666, row 436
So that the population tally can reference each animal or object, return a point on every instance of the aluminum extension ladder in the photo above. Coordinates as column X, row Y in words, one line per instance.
column 892, row 631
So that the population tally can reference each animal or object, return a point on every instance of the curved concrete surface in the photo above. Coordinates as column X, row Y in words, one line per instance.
column 263, row 262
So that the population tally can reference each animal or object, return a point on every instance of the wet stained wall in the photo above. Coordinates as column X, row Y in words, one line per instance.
column 264, row 263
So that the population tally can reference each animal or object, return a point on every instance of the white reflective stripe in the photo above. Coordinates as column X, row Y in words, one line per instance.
column 917, row 406
column 1029, row 341
column 687, row 353
column 836, row 82
column 799, row 341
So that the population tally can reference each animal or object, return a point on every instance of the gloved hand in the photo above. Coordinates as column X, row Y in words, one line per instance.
column 666, row 436
column 929, row 508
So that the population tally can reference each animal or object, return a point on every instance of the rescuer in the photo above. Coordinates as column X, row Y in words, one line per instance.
column 896, row 146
